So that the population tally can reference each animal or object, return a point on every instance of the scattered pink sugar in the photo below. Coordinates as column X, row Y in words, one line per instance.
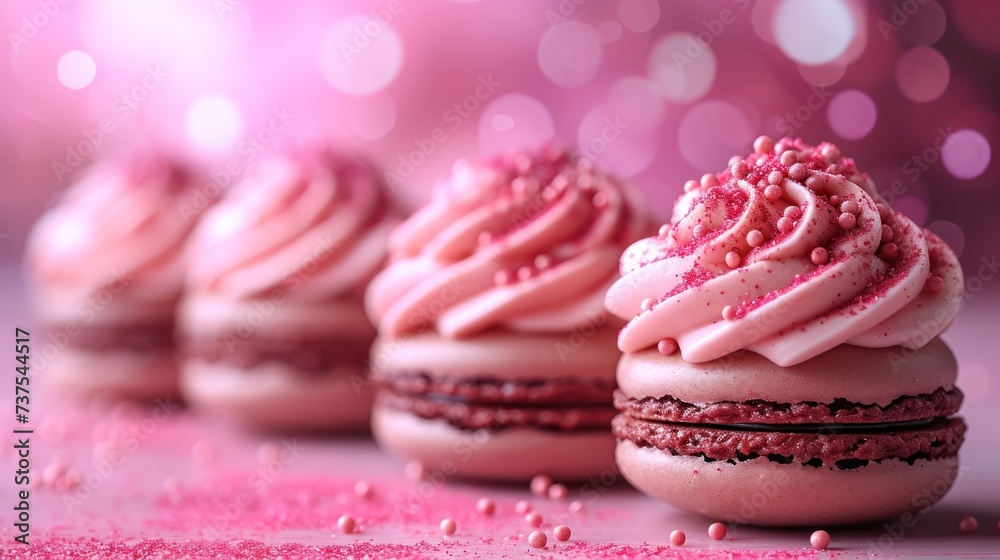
column 603, row 551
column 58, row 548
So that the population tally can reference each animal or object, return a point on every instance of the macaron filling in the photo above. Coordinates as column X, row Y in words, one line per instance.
column 942, row 403
column 491, row 403
column 307, row 356
column 841, row 433
column 137, row 338
column 843, row 446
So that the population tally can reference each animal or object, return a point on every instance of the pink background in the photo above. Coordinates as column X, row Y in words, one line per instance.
column 627, row 81
column 889, row 84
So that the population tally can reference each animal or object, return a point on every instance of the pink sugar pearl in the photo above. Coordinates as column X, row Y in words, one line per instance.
column 533, row 518
column 820, row 540
column 171, row 485
column 414, row 470
column 558, row 491
column 667, row 346
column 540, row 485
column 486, row 506
column 763, row 144
column 733, row 259
column 576, row 506
column 203, row 451
column 717, row 531
column 522, row 507
column 537, row 539
column 847, row 220
column 363, row 488
column 819, row 256
column 562, row 533
column 967, row 525
column 798, row 172
column 346, row 524
column 448, row 527
column 677, row 538
column 267, row 453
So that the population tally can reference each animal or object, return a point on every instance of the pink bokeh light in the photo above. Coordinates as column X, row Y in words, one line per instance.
column 852, row 114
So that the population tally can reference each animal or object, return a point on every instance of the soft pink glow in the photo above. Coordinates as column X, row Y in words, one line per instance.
column 682, row 67
column 514, row 120
column 361, row 55
column 852, row 114
column 639, row 15
column 922, row 74
column 966, row 154
column 76, row 69
column 814, row 31
column 570, row 53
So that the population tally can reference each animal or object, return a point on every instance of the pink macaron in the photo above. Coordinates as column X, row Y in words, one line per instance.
column 781, row 362
column 495, row 358
column 273, row 324
column 106, row 267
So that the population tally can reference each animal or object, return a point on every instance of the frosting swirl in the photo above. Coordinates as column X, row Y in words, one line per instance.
column 528, row 241
column 118, row 233
column 788, row 253
column 310, row 227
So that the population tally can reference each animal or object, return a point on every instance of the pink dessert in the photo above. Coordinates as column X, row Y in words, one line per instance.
column 107, row 271
column 492, row 337
column 273, row 322
column 783, row 345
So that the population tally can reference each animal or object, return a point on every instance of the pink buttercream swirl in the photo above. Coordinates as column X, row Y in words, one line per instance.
column 527, row 241
column 119, row 225
column 788, row 253
column 312, row 224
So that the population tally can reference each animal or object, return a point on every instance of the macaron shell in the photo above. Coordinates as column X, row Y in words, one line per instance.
column 588, row 353
column 511, row 454
column 761, row 492
column 211, row 316
column 276, row 396
column 860, row 375
column 141, row 375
